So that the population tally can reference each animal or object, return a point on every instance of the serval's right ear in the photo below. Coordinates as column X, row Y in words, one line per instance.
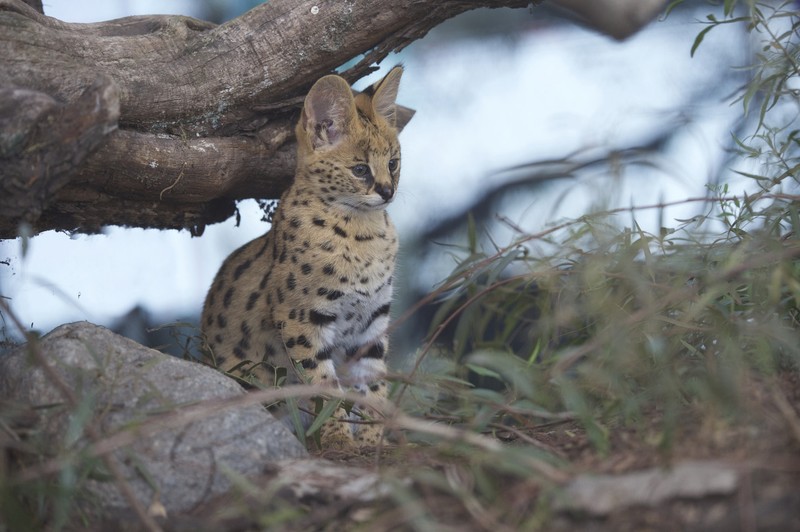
column 328, row 109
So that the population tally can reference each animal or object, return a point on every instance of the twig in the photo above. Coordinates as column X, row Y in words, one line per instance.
column 527, row 439
column 174, row 183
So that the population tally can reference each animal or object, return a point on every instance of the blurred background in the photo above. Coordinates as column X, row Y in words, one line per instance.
column 524, row 118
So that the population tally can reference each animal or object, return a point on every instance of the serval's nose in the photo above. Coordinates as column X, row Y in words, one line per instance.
column 385, row 191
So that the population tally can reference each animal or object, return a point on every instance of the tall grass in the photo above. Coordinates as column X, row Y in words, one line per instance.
column 614, row 324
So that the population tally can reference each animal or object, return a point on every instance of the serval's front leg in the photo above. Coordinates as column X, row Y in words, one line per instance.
column 315, row 365
column 367, row 376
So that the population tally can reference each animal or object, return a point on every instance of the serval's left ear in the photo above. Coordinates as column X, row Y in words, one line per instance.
column 384, row 95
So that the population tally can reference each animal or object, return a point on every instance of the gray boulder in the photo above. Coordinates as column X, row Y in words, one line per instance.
column 122, row 384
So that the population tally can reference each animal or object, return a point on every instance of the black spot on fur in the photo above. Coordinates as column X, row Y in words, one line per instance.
column 244, row 343
column 240, row 269
column 302, row 340
column 226, row 301
column 262, row 250
column 364, row 238
column 222, row 321
column 251, row 300
column 328, row 269
column 295, row 222
column 324, row 354
column 320, row 318
column 293, row 314
column 290, row 343
column 382, row 311
column 333, row 295
column 319, row 221
column 375, row 351
column 240, row 354
column 291, row 283
column 306, row 268
column 339, row 231
column 308, row 363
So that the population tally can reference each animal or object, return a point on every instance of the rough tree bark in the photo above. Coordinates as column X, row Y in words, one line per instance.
column 164, row 121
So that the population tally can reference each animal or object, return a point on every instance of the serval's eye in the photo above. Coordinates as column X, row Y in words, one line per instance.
column 393, row 165
column 361, row 170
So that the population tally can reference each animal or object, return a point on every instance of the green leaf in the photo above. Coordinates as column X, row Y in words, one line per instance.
column 294, row 416
column 513, row 370
column 483, row 372
column 324, row 414
column 672, row 5
column 499, row 266
column 699, row 39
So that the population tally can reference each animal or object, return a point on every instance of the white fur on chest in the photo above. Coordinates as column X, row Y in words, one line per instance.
column 359, row 317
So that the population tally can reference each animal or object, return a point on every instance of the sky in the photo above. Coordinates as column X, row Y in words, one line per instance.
column 482, row 105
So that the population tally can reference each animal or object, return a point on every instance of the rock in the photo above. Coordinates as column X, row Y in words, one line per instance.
column 121, row 383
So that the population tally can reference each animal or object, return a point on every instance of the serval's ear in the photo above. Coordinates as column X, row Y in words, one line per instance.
column 384, row 95
column 328, row 109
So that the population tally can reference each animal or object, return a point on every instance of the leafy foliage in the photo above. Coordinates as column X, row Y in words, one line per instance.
column 615, row 324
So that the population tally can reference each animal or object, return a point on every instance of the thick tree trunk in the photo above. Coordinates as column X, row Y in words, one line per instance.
column 164, row 121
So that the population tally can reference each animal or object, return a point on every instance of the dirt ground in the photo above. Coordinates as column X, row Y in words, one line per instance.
column 761, row 447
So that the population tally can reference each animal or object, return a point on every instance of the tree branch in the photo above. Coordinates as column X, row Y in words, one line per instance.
column 205, row 111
